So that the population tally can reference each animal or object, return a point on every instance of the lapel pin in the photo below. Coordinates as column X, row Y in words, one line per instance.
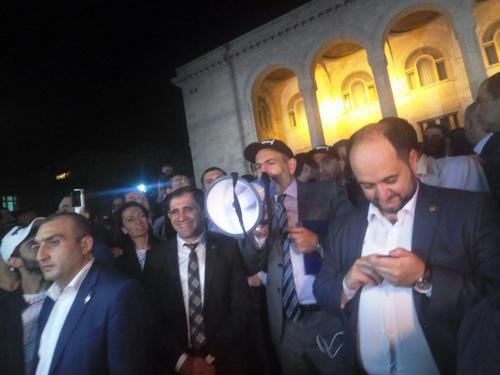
column 432, row 209
column 87, row 299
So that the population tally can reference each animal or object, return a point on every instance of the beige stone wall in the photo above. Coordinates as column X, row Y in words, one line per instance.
column 219, row 87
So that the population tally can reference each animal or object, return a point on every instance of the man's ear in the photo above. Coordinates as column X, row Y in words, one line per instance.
column 87, row 243
column 292, row 165
column 413, row 160
column 15, row 262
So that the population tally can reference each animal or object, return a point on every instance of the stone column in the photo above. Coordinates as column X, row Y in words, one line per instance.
column 378, row 63
column 465, row 32
column 307, row 88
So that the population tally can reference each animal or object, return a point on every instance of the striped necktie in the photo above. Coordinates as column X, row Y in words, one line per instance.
column 196, row 322
column 288, row 294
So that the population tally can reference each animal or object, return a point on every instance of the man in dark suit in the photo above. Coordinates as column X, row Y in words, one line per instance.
column 403, row 270
column 290, row 252
column 198, row 283
column 486, row 146
column 93, row 321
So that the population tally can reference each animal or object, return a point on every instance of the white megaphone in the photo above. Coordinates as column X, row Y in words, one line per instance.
column 236, row 206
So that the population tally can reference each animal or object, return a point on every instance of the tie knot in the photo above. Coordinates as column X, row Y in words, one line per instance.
column 191, row 246
column 281, row 199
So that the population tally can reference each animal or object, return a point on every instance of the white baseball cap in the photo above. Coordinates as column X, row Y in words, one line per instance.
column 14, row 238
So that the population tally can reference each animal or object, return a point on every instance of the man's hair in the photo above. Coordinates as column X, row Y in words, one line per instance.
column 82, row 226
column 197, row 195
column 399, row 132
column 493, row 85
column 210, row 170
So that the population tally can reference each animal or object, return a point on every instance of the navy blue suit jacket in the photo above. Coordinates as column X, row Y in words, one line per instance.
column 107, row 330
column 458, row 232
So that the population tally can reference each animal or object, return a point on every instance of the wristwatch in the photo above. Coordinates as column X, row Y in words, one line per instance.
column 423, row 285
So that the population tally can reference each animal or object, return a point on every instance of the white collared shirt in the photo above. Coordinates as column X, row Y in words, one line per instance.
column 183, row 255
column 391, row 340
column 454, row 172
column 63, row 300
column 478, row 148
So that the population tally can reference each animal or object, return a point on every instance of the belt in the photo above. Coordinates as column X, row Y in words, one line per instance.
column 309, row 308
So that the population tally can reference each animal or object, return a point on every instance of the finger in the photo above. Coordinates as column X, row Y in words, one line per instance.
column 372, row 274
column 399, row 252
column 296, row 230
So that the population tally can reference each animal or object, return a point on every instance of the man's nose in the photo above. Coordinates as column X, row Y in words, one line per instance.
column 41, row 254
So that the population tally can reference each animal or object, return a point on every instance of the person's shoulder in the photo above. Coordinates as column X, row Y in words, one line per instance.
column 456, row 197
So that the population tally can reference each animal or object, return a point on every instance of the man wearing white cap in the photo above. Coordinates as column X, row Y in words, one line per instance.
column 23, row 306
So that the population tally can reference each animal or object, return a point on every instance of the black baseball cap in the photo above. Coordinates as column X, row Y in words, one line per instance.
column 275, row 144
column 323, row 149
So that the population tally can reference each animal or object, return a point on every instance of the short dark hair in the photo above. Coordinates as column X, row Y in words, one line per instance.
column 399, row 132
column 493, row 85
column 128, row 205
column 82, row 226
column 197, row 195
column 210, row 170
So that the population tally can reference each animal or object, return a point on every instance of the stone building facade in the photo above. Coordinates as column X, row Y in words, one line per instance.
column 322, row 71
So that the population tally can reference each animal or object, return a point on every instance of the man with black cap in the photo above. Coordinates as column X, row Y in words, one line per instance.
column 328, row 161
column 290, row 250
column 20, row 310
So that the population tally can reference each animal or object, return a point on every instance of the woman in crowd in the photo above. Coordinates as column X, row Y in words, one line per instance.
column 135, row 240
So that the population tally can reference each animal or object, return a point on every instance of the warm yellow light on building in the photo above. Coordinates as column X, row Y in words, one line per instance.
column 63, row 176
column 330, row 109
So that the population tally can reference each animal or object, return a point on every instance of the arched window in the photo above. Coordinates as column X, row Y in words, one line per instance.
column 265, row 119
column 358, row 89
column 296, row 112
column 491, row 43
column 424, row 67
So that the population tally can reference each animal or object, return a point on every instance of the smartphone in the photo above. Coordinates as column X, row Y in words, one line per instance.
column 78, row 200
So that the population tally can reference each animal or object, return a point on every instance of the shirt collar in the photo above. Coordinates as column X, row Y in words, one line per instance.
column 54, row 292
column 201, row 240
column 408, row 208
column 291, row 190
column 480, row 145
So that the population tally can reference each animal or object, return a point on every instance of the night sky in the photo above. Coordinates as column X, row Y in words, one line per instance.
column 88, row 83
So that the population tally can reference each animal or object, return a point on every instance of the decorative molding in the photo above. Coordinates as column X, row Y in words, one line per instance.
column 289, row 24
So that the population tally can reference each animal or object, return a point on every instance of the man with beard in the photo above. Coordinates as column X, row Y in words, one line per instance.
column 289, row 249
column 405, row 269
column 23, row 305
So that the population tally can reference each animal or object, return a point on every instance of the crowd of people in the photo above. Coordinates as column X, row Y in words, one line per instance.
column 378, row 255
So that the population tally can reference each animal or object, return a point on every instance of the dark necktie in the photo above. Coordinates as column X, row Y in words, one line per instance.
column 196, row 323
column 288, row 294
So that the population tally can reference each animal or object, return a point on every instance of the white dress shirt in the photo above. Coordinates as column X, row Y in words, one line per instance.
column 63, row 300
column 183, row 254
column 478, row 148
column 390, row 338
column 454, row 172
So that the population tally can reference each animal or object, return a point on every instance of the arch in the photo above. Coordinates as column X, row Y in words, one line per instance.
column 425, row 66
column 491, row 43
column 358, row 89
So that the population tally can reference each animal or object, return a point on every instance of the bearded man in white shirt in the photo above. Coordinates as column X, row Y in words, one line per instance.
column 404, row 269
column 93, row 321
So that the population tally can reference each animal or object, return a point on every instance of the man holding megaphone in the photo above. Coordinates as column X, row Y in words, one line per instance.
column 289, row 249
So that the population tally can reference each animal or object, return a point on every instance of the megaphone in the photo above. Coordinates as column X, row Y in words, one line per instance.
column 236, row 206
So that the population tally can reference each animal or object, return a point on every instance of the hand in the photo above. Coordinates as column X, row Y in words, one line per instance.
column 117, row 252
column 304, row 239
column 261, row 231
column 362, row 272
column 400, row 268
column 196, row 366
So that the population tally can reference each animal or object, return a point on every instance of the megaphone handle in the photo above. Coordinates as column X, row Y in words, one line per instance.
column 236, row 203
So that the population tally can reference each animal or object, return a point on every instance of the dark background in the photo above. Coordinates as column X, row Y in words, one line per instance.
column 85, row 87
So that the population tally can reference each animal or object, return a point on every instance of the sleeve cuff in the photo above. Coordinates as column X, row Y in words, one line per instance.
column 349, row 293
column 180, row 362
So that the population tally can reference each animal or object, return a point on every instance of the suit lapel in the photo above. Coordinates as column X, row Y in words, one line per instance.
column 210, row 265
column 424, row 225
column 76, row 311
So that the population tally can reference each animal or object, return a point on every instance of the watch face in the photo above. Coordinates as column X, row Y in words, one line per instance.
column 423, row 286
